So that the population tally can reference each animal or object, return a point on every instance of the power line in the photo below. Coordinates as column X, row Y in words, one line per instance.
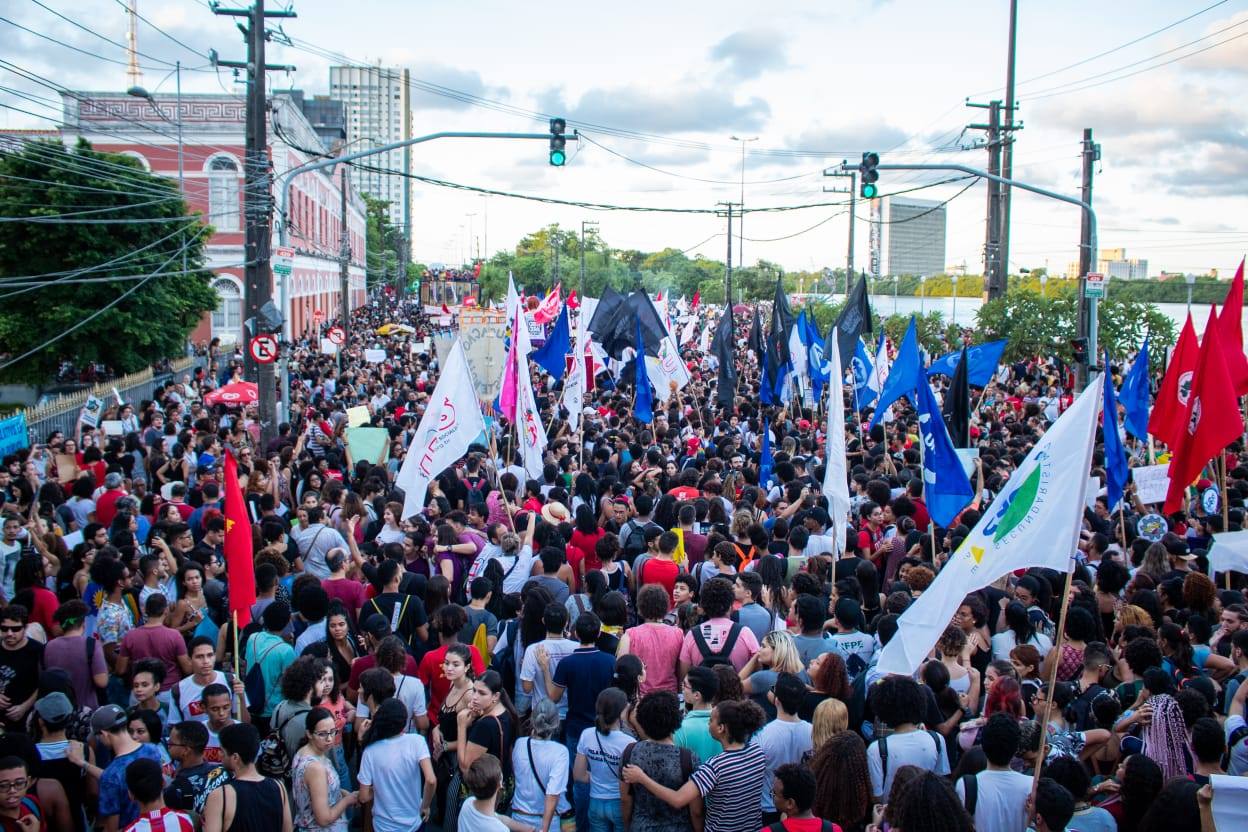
column 91, row 31
column 135, row 12
column 640, row 163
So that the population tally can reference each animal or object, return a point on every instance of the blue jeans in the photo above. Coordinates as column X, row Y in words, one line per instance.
column 605, row 816
column 580, row 791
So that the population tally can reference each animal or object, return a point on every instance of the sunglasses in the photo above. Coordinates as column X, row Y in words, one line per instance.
column 6, row 629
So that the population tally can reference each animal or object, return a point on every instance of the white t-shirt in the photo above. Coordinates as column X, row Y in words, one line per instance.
column 1005, row 641
column 470, row 820
column 392, row 768
column 515, row 578
column 187, row 704
column 782, row 742
column 603, row 754
column 916, row 748
column 531, row 671
column 550, row 758
column 408, row 690
column 854, row 643
column 1000, row 804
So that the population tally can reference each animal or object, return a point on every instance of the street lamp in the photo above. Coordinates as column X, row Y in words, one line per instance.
column 922, row 295
column 1190, row 279
column 741, row 214
column 954, row 277
column 140, row 92
column 1044, row 282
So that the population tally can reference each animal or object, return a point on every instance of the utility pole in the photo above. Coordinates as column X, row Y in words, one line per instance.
column 852, row 190
column 584, row 225
column 257, row 202
column 727, row 212
column 344, row 257
column 1007, row 151
column 994, row 283
column 1091, row 153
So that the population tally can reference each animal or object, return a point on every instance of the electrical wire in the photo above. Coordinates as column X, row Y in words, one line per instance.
column 152, row 25
column 974, row 179
column 821, row 222
column 70, row 46
column 91, row 31
column 639, row 163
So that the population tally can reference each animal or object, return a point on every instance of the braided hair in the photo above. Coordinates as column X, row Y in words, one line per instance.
column 1165, row 738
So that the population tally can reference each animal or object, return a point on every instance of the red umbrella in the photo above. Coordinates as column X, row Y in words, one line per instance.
column 740, row 308
column 233, row 395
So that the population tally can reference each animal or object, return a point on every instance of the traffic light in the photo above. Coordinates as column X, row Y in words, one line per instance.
column 558, row 156
column 868, row 175
column 1079, row 348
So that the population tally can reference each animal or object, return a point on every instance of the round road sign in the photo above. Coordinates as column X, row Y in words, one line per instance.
column 336, row 335
column 263, row 349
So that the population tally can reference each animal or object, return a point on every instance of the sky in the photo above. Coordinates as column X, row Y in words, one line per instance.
column 665, row 86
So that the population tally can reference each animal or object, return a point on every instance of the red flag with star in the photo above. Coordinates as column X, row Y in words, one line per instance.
column 240, row 567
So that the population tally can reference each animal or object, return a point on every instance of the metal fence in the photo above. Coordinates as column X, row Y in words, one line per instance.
column 62, row 413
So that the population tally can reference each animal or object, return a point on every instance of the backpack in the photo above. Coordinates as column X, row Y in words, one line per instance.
column 635, row 540
column 970, row 785
column 477, row 490
column 1079, row 712
column 253, row 681
column 504, row 661
column 882, row 745
column 274, row 760
column 712, row 658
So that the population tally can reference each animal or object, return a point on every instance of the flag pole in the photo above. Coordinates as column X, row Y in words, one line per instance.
column 1225, row 510
column 1052, row 683
column 238, row 700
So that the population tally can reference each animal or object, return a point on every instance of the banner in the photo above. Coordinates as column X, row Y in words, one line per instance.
column 372, row 444
column 91, row 411
column 485, row 351
column 13, row 434
column 374, row 356
column 442, row 343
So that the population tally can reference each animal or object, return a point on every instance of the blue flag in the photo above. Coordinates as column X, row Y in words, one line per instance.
column 904, row 376
column 861, row 366
column 643, row 401
column 945, row 484
column 1134, row 396
column 766, row 462
column 1115, row 455
column 981, row 360
column 767, row 392
column 552, row 355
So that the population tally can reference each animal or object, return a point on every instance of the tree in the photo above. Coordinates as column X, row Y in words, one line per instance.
column 82, row 267
column 381, row 259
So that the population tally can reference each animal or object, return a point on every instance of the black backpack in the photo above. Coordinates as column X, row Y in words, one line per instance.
column 971, row 787
column 1079, row 712
column 713, row 658
column 635, row 540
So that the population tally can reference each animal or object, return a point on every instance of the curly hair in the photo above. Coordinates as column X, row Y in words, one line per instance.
column 832, row 678
column 929, row 804
column 952, row 641
column 897, row 700
column 740, row 718
column 843, row 795
column 1199, row 592
column 920, row 578
column 1142, row 780
column 730, row 689
column 1132, row 616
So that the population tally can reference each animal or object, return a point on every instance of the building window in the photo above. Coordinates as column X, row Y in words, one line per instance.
column 223, row 194
column 227, row 318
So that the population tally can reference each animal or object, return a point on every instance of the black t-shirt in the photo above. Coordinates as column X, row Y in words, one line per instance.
column 406, row 614
column 847, row 567
column 19, row 671
column 494, row 734
column 190, row 787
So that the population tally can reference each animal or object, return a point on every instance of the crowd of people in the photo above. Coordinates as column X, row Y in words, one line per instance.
column 643, row 637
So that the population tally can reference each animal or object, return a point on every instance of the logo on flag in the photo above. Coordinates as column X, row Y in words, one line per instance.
column 1185, row 386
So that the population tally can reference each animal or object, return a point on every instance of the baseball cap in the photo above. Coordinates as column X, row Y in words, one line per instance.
column 376, row 626
column 54, row 709
column 107, row 718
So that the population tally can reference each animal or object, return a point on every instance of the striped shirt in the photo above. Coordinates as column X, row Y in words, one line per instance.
column 162, row 820
column 731, row 784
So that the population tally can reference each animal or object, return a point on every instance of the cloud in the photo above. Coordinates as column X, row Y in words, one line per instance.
column 660, row 110
column 456, row 80
column 1231, row 56
column 751, row 52
column 1222, row 173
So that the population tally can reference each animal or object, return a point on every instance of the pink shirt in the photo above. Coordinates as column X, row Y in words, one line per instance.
column 715, row 631
column 658, row 646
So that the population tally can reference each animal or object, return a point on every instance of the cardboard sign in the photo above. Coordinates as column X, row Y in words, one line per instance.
column 374, row 356
column 967, row 457
column 372, row 444
column 66, row 467
column 357, row 416
column 91, row 411
column 1151, row 482
column 112, row 427
column 328, row 347
column 484, row 350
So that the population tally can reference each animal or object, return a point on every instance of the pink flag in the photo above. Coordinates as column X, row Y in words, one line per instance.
column 507, row 396
column 550, row 307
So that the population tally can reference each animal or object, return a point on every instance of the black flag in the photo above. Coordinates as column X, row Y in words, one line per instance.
column 722, row 348
column 755, row 341
column 958, row 405
column 855, row 319
column 782, row 321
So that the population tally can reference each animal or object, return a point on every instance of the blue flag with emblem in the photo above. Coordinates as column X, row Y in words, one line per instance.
column 643, row 399
column 904, row 376
column 862, row 366
column 1134, row 396
column 766, row 462
column 552, row 356
column 1116, row 469
column 817, row 363
column 946, row 487
column 982, row 360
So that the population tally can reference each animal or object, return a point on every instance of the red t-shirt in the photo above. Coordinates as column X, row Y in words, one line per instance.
column 660, row 571
column 685, row 492
column 430, row 673
column 368, row 663
column 803, row 825
column 351, row 593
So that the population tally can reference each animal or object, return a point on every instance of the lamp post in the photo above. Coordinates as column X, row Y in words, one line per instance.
column 741, row 215
column 1044, row 282
column 922, row 295
column 1190, row 279
column 140, row 92
column 954, row 278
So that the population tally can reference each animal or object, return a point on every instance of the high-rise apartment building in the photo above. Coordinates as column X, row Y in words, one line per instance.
column 912, row 236
column 378, row 108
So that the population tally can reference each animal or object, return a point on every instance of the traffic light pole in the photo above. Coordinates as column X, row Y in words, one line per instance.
column 288, row 178
column 1089, row 217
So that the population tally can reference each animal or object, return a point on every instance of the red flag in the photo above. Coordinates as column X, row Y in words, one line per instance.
column 240, row 567
column 573, row 303
column 696, row 297
column 1212, row 421
column 549, row 308
column 1168, row 418
column 659, row 297
column 445, row 310
column 1231, row 331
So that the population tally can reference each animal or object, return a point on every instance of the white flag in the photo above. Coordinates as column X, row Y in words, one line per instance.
column 451, row 423
column 513, row 299
column 668, row 367
column 574, row 379
column 529, row 425
column 1034, row 521
column 705, row 343
column 835, row 477
column 690, row 330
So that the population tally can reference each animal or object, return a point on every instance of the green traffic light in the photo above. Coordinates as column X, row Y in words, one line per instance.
column 558, row 157
column 869, row 191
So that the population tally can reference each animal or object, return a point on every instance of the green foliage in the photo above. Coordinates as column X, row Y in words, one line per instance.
column 381, row 259
column 153, row 322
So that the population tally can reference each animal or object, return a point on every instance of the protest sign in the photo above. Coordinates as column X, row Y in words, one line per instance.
column 1151, row 482
column 484, row 350
column 374, row 356
column 372, row 444
column 91, row 411
column 13, row 435
column 357, row 416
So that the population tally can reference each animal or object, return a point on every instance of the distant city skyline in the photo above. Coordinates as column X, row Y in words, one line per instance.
column 666, row 85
